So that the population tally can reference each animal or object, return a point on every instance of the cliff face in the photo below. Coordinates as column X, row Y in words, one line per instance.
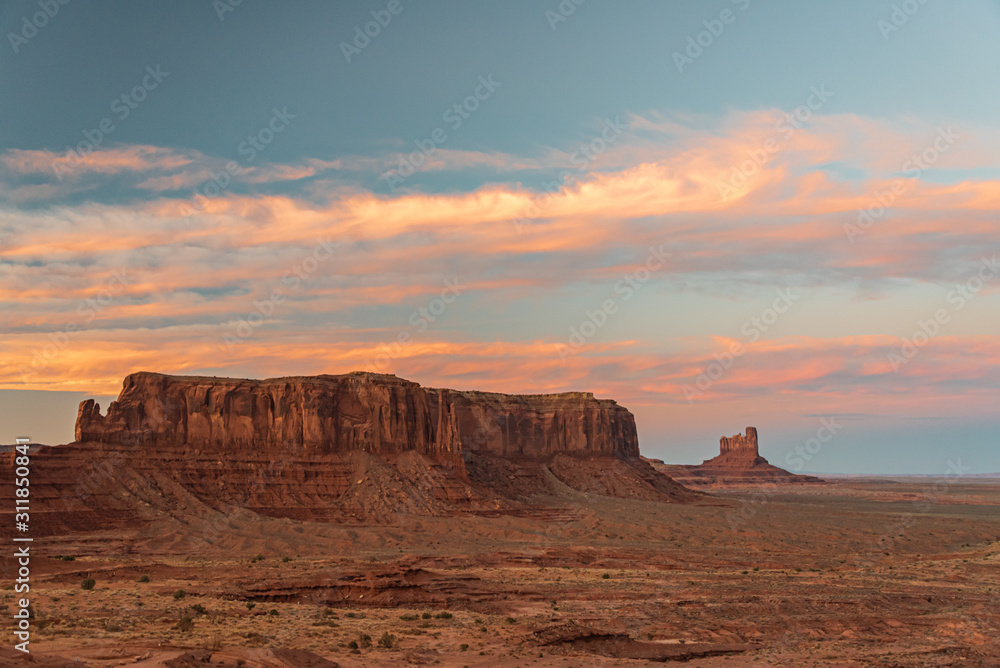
column 347, row 449
column 376, row 413
column 740, row 444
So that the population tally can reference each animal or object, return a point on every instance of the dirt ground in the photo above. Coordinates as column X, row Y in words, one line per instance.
column 856, row 572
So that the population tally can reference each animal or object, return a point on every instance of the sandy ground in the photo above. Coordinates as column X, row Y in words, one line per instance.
column 858, row 572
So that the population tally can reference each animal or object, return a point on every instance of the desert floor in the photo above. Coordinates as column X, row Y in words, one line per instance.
column 857, row 572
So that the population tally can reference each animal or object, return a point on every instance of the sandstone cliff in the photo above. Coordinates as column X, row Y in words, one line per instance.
column 368, row 412
column 354, row 448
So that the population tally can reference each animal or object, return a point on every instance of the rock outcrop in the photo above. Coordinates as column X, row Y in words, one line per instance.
column 740, row 445
column 368, row 412
column 738, row 462
column 349, row 448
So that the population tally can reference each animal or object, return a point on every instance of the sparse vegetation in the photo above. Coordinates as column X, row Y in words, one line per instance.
column 185, row 624
column 387, row 641
column 179, row 594
column 444, row 615
column 365, row 640
column 143, row 578
column 88, row 584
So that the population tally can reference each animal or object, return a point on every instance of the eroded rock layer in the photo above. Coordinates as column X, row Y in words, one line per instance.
column 355, row 448
column 376, row 413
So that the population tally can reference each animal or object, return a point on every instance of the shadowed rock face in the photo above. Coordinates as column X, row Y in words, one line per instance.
column 376, row 413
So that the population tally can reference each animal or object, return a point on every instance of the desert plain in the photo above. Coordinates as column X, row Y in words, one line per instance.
column 857, row 571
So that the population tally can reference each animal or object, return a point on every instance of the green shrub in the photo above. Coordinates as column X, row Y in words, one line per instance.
column 88, row 584
column 426, row 615
column 444, row 615
column 408, row 617
column 464, row 647
column 387, row 641
column 179, row 594
column 365, row 640
column 198, row 608
column 185, row 624
column 144, row 578
column 606, row 576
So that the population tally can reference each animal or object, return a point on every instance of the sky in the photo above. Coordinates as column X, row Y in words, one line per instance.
column 719, row 214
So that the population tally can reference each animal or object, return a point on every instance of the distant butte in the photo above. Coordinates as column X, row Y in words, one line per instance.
column 739, row 462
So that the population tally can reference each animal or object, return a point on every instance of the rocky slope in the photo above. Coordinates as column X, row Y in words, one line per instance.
column 358, row 447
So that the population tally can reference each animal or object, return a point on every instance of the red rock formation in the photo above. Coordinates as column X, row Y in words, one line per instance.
column 359, row 447
column 740, row 444
column 738, row 462
column 376, row 413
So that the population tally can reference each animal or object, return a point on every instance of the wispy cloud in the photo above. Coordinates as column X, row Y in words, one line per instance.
column 195, row 275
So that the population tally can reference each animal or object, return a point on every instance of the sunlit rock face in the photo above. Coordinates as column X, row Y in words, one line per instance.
column 369, row 412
